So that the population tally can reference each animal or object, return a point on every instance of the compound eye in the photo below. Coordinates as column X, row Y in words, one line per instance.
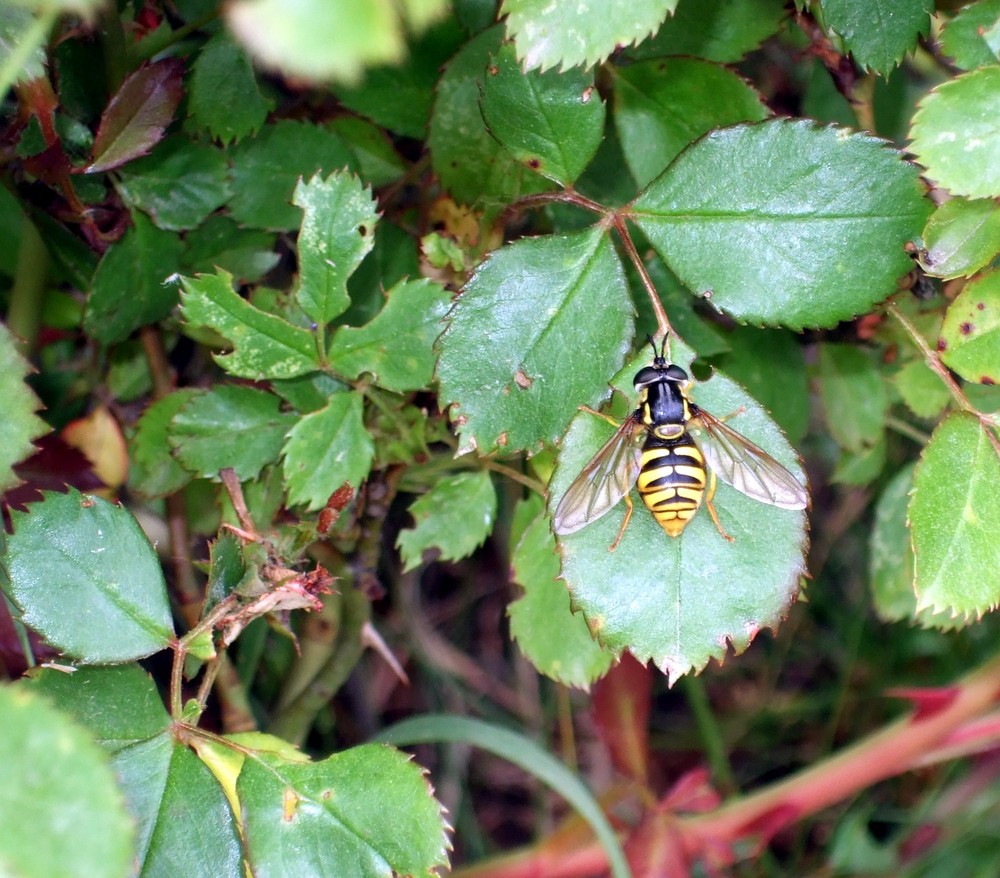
column 676, row 373
column 646, row 376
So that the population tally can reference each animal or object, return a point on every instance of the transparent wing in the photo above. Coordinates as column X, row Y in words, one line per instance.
column 603, row 482
column 740, row 463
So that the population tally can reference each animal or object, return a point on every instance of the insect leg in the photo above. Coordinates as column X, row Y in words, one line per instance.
column 711, row 508
column 621, row 530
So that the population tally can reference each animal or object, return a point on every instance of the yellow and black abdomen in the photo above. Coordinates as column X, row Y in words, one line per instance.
column 672, row 480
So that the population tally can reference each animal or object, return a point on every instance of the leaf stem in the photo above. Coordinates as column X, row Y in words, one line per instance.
column 933, row 359
column 661, row 316
column 907, row 430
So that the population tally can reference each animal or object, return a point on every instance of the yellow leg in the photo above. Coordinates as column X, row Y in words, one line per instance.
column 711, row 508
column 621, row 530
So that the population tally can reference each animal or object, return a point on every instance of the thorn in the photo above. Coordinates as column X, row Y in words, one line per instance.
column 926, row 701
column 371, row 637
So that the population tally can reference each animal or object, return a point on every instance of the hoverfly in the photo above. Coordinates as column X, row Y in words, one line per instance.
column 675, row 466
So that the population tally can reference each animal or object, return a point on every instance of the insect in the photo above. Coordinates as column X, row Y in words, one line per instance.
column 676, row 464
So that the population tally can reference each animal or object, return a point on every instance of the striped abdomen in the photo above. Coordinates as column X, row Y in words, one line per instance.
column 672, row 480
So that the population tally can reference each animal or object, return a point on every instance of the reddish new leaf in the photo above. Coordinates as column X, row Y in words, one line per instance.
column 135, row 119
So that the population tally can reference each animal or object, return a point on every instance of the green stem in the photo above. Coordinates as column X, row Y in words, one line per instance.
column 907, row 430
column 294, row 723
column 711, row 734
column 24, row 317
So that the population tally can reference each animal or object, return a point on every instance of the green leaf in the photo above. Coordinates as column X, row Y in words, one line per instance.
column 455, row 516
column 120, row 705
column 337, row 232
column 185, row 823
column 970, row 335
column 963, row 37
column 20, row 426
column 879, row 32
column 21, row 44
column 132, row 285
column 955, row 517
column 399, row 96
column 327, row 449
column 921, row 389
column 660, row 108
column 264, row 345
column 523, row 348
column 219, row 243
column 550, row 122
column 770, row 365
column 854, row 396
column 59, row 802
column 961, row 237
column 472, row 166
column 523, row 752
column 138, row 114
column 393, row 259
column 319, row 39
column 396, row 345
column 153, row 470
column 579, row 34
column 178, row 185
column 785, row 222
column 573, row 658
column 310, row 392
column 373, row 152
column 890, row 558
column 956, row 134
column 225, row 99
column 718, row 30
column 226, row 571
column 862, row 467
column 366, row 812
column 687, row 317
column 230, row 426
column 84, row 576
column 266, row 169
column 656, row 608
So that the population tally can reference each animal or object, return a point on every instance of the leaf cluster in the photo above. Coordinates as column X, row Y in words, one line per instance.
column 318, row 295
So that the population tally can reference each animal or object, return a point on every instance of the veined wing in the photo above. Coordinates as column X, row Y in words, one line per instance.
column 745, row 466
column 608, row 477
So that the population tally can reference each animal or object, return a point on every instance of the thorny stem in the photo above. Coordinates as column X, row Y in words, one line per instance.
column 727, row 832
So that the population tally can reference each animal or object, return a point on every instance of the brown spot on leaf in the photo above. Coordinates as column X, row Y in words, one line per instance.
column 502, row 439
column 493, row 70
column 522, row 380
column 942, row 345
column 966, row 328
column 981, row 306
column 587, row 94
column 363, row 230
column 534, row 164
column 986, row 380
